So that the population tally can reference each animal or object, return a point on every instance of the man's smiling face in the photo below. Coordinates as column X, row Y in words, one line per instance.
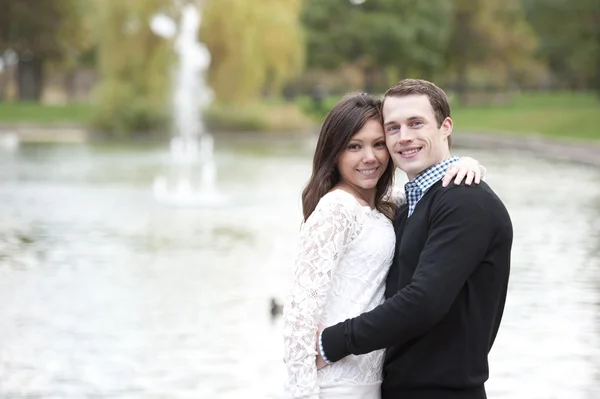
column 413, row 136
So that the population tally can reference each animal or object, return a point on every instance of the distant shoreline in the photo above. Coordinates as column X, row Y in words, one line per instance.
column 583, row 152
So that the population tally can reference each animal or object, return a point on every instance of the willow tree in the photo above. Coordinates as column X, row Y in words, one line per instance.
column 254, row 45
column 134, row 66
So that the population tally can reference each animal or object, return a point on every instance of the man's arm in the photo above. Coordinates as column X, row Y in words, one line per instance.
column 462, row 228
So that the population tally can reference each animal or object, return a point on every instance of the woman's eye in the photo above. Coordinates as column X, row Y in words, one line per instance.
column 380, row 144
column 353, row 147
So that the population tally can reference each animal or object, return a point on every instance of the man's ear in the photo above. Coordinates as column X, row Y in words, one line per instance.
column 447, row 126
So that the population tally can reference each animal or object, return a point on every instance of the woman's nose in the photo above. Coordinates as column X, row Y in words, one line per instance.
column 369, row 156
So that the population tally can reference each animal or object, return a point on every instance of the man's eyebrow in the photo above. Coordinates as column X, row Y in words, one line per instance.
column 409, row 119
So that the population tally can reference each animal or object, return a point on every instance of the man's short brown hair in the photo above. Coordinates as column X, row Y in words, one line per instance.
column 437, row 97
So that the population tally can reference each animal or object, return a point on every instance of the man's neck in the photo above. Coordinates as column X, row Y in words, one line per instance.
column 448, row 156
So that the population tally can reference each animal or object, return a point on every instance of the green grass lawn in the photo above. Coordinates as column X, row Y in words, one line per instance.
column 14, row 113
column 556, row 115
column 264, row 116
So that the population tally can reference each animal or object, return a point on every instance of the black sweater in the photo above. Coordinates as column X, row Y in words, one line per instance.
column 445, row 294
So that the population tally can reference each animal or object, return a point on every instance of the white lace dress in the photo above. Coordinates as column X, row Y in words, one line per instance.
column 345, row 253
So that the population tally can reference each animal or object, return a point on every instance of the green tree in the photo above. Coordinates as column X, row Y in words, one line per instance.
column 41, row 32
column 569, row 33
column 408, row 36
column 254, row 45
column 489, row 34
column 134, row 66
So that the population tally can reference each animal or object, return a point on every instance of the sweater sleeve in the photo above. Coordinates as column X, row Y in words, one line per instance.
column 462, row 227
column 323, row 239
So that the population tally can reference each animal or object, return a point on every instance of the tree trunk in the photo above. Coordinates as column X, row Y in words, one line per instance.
column 598, row 61
column 70, row 84
column 370, row 77
column 30, row 78
column 598, row 75
column 3, row 79
column 462, row 81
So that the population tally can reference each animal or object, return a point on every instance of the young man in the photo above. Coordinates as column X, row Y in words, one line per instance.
column 447, row 285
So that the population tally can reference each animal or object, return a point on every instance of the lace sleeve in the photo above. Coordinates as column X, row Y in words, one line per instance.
column 323, row 240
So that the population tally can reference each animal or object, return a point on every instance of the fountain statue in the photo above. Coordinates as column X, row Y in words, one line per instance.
column 192, row 181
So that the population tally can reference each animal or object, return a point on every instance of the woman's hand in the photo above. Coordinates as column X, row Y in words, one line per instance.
column 467, row 168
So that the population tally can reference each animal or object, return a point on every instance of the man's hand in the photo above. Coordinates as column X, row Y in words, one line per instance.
column 320, row 362
column 467, row 168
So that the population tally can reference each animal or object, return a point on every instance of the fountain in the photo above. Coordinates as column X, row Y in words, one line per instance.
column 9, row 141
column 192, row 177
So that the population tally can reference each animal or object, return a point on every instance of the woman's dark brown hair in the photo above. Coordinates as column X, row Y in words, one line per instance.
column 344, row 120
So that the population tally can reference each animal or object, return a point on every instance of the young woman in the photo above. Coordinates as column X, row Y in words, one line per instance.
column 346, row 247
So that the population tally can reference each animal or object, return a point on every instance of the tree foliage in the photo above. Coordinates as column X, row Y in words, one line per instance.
column 50, row 29
column 405, row 35
column 569, row 35
column 253, row 45
column 134, row 66
column 492, row 35
column 39, row 32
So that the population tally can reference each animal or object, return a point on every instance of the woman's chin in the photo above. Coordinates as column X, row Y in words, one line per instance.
column 369, row 185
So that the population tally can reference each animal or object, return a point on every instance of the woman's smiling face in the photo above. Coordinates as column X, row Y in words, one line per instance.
column 365, row 158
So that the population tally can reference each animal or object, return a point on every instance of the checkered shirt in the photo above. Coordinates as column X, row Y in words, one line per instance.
column 416, row 189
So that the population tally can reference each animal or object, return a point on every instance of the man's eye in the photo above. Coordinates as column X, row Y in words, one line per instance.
column 416, row 124
column 392, row 128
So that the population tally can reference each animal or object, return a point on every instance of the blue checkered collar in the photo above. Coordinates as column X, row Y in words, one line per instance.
column 420, row 184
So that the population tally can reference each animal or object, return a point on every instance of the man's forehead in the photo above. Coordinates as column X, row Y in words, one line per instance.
column 406, row 106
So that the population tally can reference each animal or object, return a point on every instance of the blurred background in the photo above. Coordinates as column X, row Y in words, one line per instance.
column 152, row 155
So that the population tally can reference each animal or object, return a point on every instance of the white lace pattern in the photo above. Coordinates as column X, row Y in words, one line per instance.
column 345, row 253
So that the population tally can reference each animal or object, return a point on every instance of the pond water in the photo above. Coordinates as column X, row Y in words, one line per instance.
column 105, row 293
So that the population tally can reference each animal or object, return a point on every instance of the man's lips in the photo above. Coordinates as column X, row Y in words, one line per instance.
column 407, row 152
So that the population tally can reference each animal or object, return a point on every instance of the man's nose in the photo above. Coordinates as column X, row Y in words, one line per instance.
column 405, row 135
